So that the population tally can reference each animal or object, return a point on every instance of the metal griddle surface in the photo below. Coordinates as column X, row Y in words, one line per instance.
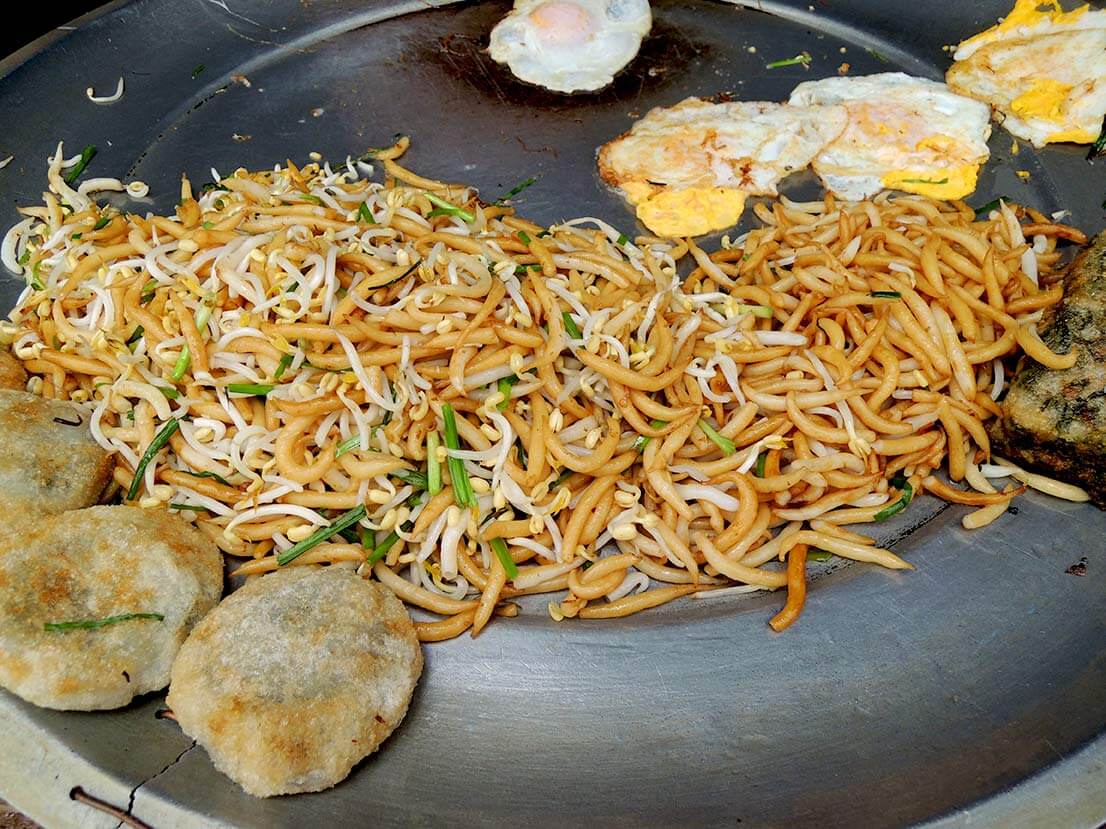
column 971, row 688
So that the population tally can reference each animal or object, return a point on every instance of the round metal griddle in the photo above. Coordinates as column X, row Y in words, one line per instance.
column 969, row 689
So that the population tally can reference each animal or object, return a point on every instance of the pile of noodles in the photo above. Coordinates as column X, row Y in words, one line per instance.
column 303, row 342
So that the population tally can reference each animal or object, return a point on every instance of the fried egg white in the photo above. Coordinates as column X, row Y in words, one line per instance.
column 688, row 168
column 570, row 45
column 1044, row 71
column 904, row 133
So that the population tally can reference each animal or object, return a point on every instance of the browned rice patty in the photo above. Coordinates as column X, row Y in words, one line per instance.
column 296, row 677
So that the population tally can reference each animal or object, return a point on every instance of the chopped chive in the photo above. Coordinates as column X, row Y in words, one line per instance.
column 499, row 547
column 523, row 458
column 544, row 234
column 901, row 504
column 886, row 295
column 449, row 209
column 462, row 486
column 92, row 624
column 197, row 69
column 882, row 58
column 348, row 445
column 818, row 555
column 993, row 204
column 214, row 185
column 521, row 270
column 25, row 257
column 643, row 441
column 251, row 389
column 170, row 392
column 381, row 549
column 364, row 214
column 571, row 327
column 188, row 507
column 514, row 191
column 148, row 291
column 156, row 445
column 36, row 280
column 367, row 538
column 622, row 239
column 320, row 535
column 524, row 237
column 762, row 459
column 282, row 366
column 213, row 475
column 762, row 311
column 181, row 366
column 310, row 198
column 1099, row 146
column 410, row 476
column 433, row 465
column 802, row 58
column 102, row 222
column 944, row 180
column 76, row 236
column 208, row 225
column 564, row 476
column 135, row 336
column 504, row 387
column 86, row 156
column 724, row 443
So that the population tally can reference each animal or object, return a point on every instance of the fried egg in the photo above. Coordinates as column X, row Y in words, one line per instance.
column 570, row 45
column 689, row 168
column 904, row 133
column 1043, row 70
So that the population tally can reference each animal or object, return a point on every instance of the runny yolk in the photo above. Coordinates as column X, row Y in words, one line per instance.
column 562, row 23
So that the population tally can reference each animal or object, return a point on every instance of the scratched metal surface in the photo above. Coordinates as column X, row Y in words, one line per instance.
column 967, row 691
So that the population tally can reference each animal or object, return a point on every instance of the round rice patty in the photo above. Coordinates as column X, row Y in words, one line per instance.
column 91, row 564
column 47, row 466
column 296, row 677
column 12, row 373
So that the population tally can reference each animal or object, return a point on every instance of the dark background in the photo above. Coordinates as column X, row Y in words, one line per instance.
column 18, row 31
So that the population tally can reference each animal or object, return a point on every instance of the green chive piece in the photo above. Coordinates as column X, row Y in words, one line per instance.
column 102, row 222
column 381, row 549
column 762, row 311
column 364, row 214
column 76, row 236
column 410, row 476
column 984, row 210
column 433, row 465
column 92, row 624
column 521, row 270
column 310, row 198
column 36, row 280
column 724, row 443
column 450, row 209
column 250, row 389
column 643, row 441
column 1099, row 145
column 347, row 519
column 181, row 366
column 148, row 291
column 622, row 239
column 524, row 237
column 170, row 392
column 762, row 459
column 156, row 445
column 504, row 387
column 818, row 555
column 803, row 59
column 25, row 257
column 197, row 69
column 571, row 327
column 882, row 58
column 282, row 366
column 348, row 445
column 499, row 547
column 514, row 191
column 135, row 336
column 944, row 180
column 886, row 295
column 213, row 475
column 188, row 507
column 901, row 504
column 86, row 156
column 208, row 225
column 462, row 486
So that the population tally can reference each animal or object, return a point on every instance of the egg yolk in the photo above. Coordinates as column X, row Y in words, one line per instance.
column 562, row 23
column 1074, row 136
column 1045, row 98
column 947, row 183
column 691, row 212
column 1027, row 13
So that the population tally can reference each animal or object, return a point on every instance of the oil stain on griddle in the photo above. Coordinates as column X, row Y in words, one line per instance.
column 666, row 55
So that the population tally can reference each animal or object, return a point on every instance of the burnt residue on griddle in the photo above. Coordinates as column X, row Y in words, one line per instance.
column 666, row 55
